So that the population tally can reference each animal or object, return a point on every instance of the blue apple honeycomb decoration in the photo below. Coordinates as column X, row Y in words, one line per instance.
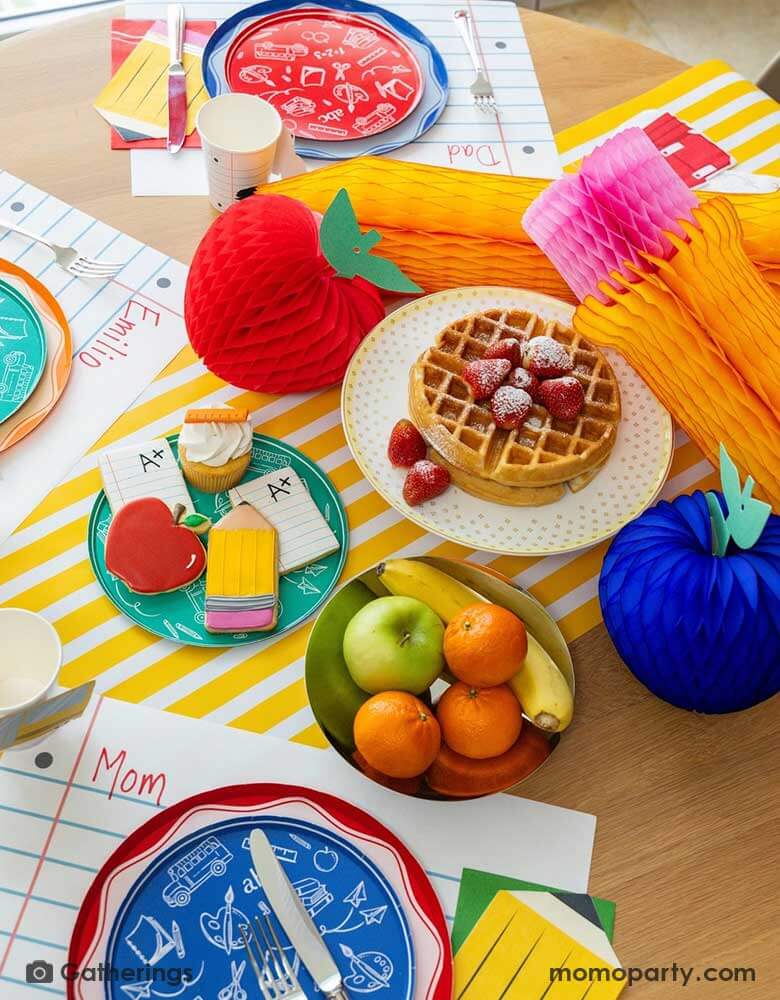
column 690, row 593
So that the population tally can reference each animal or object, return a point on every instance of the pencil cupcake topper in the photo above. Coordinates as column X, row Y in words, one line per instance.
column 242, row 580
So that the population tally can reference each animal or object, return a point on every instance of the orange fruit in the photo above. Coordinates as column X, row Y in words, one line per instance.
column 479, row 722
column 485, row 645
column 459, row 777
column 397, row 734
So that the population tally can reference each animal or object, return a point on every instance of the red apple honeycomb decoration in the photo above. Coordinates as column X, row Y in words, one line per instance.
column 277, row 301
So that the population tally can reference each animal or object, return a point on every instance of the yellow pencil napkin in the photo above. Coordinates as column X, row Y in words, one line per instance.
column 136, row 98
column 529, row 946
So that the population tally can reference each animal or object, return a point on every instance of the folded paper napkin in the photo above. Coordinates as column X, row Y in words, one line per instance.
column 532, row 944
column 135, row 101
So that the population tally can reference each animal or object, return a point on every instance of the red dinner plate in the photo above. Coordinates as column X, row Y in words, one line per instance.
column 143, row 857
column 332, row 76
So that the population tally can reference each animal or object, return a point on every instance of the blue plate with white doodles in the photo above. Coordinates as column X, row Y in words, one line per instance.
column 168, row 908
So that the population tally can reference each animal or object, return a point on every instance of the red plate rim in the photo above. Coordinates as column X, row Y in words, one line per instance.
column 353, row 17
column 150, row 832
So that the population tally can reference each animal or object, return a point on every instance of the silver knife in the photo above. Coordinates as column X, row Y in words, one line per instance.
column 177, row 83
column 295, row 919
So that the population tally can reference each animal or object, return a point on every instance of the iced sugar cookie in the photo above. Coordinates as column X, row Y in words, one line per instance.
column 150, row 551
column 242, row 580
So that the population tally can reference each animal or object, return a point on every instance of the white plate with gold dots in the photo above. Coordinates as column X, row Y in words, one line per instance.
column 374, row 397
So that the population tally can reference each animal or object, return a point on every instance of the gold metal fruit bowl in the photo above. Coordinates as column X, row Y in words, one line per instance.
column 382, row 680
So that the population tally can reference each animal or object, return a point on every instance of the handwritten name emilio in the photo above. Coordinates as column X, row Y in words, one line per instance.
column 113, row 342
column 127, row 780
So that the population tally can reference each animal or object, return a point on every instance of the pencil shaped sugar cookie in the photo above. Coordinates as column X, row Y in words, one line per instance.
column 242, row 578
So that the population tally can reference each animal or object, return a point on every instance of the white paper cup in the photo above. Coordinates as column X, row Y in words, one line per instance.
column 240, row 135
column 30, row 659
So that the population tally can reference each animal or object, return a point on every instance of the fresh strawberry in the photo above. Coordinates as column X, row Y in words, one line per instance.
column 424, row 481
column 406, row 445
column 563, row 397
column 510, row 348
column 510, row 407
column 485, row 377
column 546, row 358
column 523, row 379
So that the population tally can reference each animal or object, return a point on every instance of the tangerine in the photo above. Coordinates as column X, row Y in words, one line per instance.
column 479, row 722
column 397, row 734
column 457, row 777
column 485, row 645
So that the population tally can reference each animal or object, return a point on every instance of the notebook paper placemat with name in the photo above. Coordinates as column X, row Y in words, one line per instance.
column 519, row 142
column 69, row 801
column 124, row 332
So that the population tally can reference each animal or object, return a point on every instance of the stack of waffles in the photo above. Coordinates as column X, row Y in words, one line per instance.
column 536, row 462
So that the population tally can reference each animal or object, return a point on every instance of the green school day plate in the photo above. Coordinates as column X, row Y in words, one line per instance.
column 22, row 350
column 179, row 615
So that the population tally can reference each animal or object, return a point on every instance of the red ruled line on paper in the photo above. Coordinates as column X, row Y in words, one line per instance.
column 49, row 838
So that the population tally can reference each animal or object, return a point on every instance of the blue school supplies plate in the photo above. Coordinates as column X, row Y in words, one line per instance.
column 166, row 910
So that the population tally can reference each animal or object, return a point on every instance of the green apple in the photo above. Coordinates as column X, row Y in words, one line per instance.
column 394, row 644
column 333, row 695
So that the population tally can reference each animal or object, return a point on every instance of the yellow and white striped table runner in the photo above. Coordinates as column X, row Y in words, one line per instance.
column 45, row 566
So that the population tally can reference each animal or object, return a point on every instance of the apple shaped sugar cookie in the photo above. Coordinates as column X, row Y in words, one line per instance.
column 150, row 551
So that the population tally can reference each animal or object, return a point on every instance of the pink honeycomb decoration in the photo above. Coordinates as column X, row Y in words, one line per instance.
column 615, row 210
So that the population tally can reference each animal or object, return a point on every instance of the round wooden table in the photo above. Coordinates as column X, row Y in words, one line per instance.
column 688, row 807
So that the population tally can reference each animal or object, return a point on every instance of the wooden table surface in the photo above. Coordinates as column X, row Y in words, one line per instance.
column 688, row 807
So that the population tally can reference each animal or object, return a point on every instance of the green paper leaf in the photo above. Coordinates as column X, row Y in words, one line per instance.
column 720, row 533
column 348, row 250
column 747, row 517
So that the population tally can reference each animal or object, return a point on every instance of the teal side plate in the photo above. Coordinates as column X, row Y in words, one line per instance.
column 179, row 615
column 22, row 350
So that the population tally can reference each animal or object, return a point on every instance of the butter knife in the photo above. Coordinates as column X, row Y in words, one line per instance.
column 177, row 83
column 295, row 919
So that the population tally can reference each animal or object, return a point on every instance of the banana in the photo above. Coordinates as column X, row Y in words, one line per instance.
column 540, row 686
column 413, row 578
column 542, row 690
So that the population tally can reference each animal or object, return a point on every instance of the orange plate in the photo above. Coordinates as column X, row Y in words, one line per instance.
column 58, row 362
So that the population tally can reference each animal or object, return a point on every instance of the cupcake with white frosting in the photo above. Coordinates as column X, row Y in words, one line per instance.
column 215, row 447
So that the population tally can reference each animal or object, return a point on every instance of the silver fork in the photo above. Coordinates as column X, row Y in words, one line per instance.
column 481, row 90
column 69, row 258
column 271, row 966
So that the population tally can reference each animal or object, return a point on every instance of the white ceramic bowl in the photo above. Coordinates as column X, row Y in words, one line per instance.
column 30, row 659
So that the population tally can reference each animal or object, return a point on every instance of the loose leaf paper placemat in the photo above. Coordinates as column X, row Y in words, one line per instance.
column 45, row 565
column 124, row 332
column 68, row 802
column 520, row 142
column 478, row 889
